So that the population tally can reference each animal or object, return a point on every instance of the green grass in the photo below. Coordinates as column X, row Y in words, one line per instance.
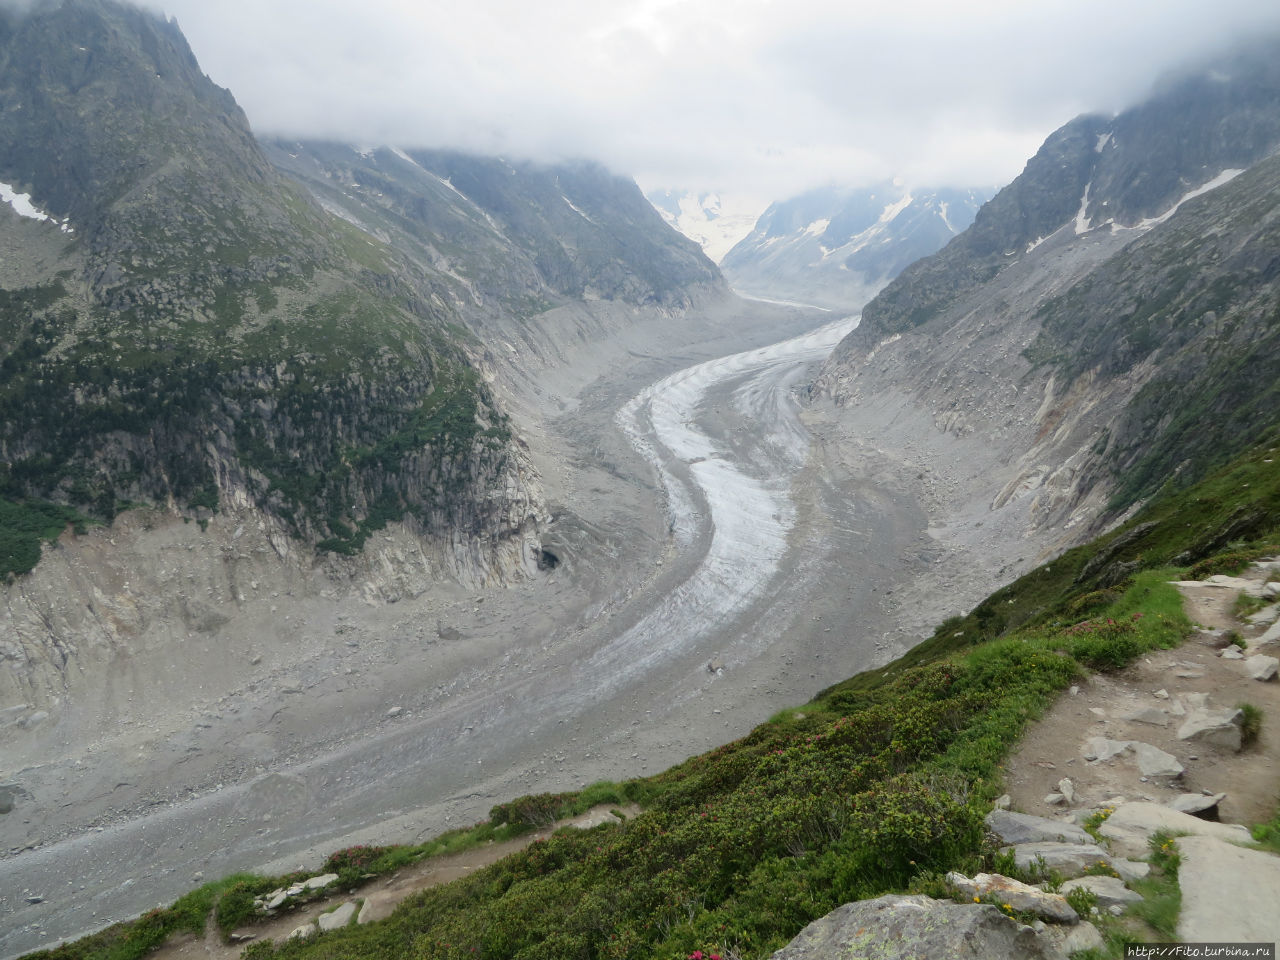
column 1162, row 898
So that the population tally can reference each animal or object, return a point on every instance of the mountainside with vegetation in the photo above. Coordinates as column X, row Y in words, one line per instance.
column 200, row 330
column 1110, row 318
column 184, row 322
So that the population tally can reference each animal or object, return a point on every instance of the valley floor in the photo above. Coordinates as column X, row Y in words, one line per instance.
column 376, row 722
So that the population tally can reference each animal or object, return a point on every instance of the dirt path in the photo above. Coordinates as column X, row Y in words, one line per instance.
column 1128, row 706
column 380, row 897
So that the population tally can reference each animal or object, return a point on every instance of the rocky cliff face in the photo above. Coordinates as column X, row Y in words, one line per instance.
column 1107, row 324
column 839, row 247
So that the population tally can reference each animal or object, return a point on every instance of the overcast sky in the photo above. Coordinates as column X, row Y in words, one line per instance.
column 758, row 98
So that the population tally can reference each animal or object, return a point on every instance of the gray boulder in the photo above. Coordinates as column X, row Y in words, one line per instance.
column 1198, row 804
column 1068, row 859
column 320, row 882
column 901, row 927
column 337, row 919
column 1262, row 667
column 1228, row 893
column 1131, row 826
column 1015, row 828
column 1218, row 727
column 1020, row 896
column 1154, row 762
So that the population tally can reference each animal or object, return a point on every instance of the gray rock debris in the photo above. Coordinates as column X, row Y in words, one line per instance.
column 898, row 927
column 1015, row 828
column 1232, row 653
column 1020, row 896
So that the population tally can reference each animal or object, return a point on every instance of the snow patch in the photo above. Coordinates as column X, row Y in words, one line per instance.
column 1082, row 218
column 1035, row 243
column 23, row 207
column 942, row 212
column 1103, row 140
column 1225, row 176
column 817, row 228
column 576, row 209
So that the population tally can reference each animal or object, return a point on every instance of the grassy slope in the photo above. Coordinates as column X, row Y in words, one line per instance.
column 879, row 784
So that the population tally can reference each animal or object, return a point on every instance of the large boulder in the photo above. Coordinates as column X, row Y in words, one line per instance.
column 1067, row 859
column 1218, row 727
column 1021, row 897
column 1014, row 828
column 339, row 918
column 901, row 927
column 1229, row 894
column 1131, row 826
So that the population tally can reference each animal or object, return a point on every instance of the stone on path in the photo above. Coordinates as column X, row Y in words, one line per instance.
column 1152, row 715
column 1015, row 828
column 1218, row 727
column 1152, row 761
column 1067, row 789
column 337, row 919
column 1262, row 667
column 1198, row 803
column 897, row 927
column 1232, row 653
column 1229, row 894
column 1131, row 826
column 304, row 932
column 1068, row 859
column 1054, row 799
column 1004, row 802
column 1110, row 891
column 318, row 883
column 366, row 912
column 1020, row 896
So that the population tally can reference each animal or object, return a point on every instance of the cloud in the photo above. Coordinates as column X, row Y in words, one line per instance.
column 750, row 96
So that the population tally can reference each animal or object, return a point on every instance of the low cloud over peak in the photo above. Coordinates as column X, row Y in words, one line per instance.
column 748, row 96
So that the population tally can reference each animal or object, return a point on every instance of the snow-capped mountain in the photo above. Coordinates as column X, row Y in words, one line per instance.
column 714, row 222
column 838, row 247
